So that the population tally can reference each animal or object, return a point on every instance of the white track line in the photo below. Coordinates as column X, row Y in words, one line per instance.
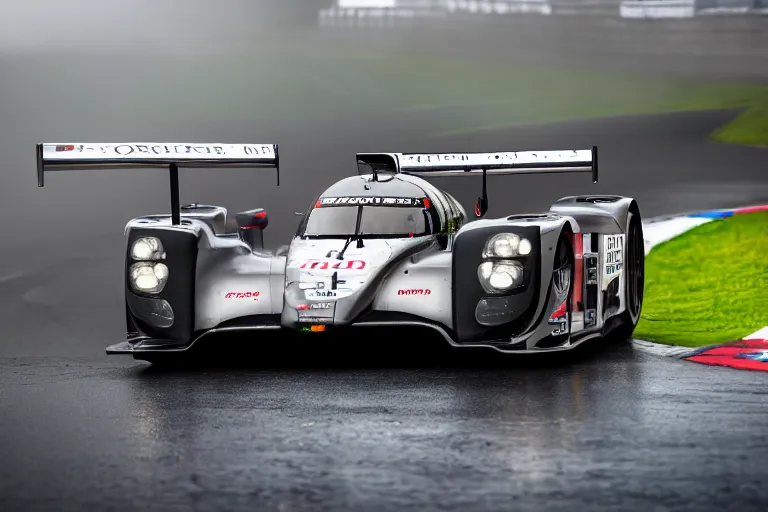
column 762, row 334
column 657, row 349
column 655, row 233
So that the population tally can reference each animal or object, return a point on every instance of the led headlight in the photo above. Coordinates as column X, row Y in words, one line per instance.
column 499, row 277
column 148, row 277
column 147, row 249
column 506, row 245
column 524, row 248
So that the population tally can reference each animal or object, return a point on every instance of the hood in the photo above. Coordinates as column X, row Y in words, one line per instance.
column 313, row 263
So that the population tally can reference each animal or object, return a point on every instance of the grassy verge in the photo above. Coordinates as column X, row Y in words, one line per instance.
column 750, row 128
column 709, row 285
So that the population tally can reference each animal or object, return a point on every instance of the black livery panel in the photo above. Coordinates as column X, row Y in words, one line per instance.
column 502, row 316
column 181, row 249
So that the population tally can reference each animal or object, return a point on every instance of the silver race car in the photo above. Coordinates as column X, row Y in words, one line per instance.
column 383, row 247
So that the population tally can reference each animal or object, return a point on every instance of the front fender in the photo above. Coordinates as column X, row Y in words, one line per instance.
column 518, row 313
column 597, row 214
column 170, row 314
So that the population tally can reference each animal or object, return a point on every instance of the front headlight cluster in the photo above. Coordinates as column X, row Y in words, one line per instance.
column 506, row 245
column 148, row 275
column 148, row 248
column 503, row 274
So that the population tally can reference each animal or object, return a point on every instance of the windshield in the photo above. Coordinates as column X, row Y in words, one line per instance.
column 375, row 221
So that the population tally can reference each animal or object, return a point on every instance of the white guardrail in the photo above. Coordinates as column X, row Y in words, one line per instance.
column 390, row 12
column 657, row 9
column 382, row 13
column 499, row 7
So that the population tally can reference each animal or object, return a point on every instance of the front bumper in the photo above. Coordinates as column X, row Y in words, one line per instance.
column 146, row 345
column 138, row 345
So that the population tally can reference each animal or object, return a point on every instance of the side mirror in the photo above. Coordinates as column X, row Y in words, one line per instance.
column 481, row 206
column 252, row 224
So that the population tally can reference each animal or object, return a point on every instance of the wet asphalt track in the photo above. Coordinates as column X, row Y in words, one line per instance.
column 413, row 427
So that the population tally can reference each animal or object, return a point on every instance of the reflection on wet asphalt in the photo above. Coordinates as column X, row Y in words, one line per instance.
column 409, row 429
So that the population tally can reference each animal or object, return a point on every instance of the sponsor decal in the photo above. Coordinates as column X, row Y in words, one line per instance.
column 314, row 318
column 315, row 305
column 310, row 294
column 315, row 312
column 189, row 150
column 480, row 160
column 373, row 201
column 329, row 264
column 426, row 291
column 613, row 246
column 242, row 295
column 324, row 294
column 129, row 149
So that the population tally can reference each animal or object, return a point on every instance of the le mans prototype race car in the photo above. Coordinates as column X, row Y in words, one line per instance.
column 380, row 248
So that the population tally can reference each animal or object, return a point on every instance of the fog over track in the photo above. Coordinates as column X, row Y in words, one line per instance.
column 416, row 428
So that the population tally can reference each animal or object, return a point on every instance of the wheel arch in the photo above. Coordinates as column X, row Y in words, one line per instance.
column 598, row 213
column 539, row 329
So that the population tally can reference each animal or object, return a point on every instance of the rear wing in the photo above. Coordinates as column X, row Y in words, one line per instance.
column 78, row 156
column 468, row 164
column 465, row 164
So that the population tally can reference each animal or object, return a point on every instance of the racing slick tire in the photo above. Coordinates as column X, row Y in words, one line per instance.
column 634, row 275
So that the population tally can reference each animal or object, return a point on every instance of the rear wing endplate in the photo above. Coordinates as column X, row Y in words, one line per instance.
column 78, row 156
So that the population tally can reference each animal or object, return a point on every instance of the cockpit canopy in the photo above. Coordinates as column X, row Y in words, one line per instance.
column 371, row 217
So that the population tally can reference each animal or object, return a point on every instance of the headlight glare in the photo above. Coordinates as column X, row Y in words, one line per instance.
column 161, row 272
column 506, row 245
column 148, row 277
column 524, row 248
column 484, row 270
column 147, row 249
column 499, row 277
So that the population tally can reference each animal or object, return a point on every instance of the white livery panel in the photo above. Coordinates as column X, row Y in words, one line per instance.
column 422, row 288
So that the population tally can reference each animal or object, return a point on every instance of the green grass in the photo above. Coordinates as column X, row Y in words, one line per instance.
column 750, row 128
column 710, row 285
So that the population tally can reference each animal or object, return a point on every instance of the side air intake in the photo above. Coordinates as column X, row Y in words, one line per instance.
column 598, row 199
